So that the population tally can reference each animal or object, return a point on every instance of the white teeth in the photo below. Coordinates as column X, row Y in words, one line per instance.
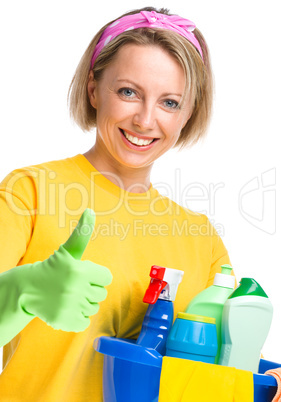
column 135, row 140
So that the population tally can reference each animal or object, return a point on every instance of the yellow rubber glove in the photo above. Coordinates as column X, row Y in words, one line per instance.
column 62, row 290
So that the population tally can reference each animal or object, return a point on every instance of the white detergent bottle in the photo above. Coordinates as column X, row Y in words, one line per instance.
column 246, row 320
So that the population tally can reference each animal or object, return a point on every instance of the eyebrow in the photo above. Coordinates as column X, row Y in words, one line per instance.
column 139, row 87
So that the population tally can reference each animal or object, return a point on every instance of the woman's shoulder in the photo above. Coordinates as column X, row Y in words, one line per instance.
column 51, row 168
column 25, row 182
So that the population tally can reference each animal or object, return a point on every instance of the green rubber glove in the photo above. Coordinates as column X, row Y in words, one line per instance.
column 62, row 290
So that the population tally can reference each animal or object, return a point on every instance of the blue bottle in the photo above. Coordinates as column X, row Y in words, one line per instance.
column 193, row 337
column 158, row 319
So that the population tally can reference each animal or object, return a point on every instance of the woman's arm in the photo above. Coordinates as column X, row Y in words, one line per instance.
column 219, row 255
column 62, row 290
column 13, row 318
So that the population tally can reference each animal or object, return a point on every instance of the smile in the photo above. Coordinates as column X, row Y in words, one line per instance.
column 135, row 140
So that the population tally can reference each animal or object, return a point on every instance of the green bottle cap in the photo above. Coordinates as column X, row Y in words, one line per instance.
column 226, row 269
column 248, row 287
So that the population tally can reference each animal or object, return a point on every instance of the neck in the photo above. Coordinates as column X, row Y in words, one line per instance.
column 134, row 180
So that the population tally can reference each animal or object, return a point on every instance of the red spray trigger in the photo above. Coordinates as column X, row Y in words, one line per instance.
column 156, row 284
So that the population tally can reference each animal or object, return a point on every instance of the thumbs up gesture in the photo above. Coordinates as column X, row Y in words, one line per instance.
column 62, row 290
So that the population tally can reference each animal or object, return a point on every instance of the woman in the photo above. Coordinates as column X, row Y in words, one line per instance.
column 145, row 83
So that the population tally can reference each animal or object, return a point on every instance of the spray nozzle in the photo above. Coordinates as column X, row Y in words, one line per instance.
column 163, row 284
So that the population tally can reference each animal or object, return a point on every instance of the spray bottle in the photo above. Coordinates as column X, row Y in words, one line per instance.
column 246, row 321
column 159, row 316
column 211, row 300
column 132, row 370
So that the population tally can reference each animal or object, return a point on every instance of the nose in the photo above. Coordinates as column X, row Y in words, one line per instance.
column 145, row 117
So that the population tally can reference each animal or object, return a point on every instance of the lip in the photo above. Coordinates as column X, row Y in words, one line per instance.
column 141, row 137
column 136, row 147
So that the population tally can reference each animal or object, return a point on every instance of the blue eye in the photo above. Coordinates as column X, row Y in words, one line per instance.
column 126, row 92
column 171, row 104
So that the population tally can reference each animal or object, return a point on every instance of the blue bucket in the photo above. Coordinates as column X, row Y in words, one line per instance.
column 265, row 386
column 131, row 373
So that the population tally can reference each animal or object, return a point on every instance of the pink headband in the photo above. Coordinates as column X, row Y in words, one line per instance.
column 147, row 19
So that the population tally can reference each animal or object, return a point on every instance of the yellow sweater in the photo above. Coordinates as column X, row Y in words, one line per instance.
column 39, row 207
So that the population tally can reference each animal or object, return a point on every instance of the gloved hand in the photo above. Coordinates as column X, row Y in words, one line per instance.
column 62, row 290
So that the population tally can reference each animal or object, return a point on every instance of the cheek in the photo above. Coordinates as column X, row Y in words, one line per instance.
column 113, row 111
column 174, row 139
column 174, row 126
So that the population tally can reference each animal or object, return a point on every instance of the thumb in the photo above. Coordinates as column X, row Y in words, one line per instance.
column 81, row 235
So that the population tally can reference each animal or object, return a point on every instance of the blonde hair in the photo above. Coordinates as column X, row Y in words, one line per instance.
column 199, row 79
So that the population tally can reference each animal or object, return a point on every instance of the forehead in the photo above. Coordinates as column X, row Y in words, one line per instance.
column 146, row 63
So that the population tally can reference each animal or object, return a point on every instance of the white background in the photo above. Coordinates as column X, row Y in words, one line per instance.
column 41, row 45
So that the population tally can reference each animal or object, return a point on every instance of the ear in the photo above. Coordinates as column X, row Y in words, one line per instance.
column 92, row 89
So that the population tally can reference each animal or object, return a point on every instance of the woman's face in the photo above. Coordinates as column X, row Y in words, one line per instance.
column 141, row 105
